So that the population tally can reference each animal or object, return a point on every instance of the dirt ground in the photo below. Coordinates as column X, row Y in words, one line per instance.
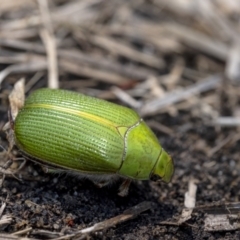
column 185, row 86
column 67, row 204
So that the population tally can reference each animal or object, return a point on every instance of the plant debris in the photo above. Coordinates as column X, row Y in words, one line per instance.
column 177, row 64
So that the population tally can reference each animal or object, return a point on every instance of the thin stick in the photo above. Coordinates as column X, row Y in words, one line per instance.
column 227, row 121
column 70, row 66
column 127, row 215
column 125, row 97
column 24, row 231
column 173, row 97
column 27, row 67
column 132, row 72
column 48, row 38
column 120, row 48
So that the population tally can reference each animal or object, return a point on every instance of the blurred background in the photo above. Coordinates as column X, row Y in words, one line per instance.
column 176, row 62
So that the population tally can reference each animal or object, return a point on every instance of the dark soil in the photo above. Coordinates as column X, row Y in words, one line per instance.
column 66, row 203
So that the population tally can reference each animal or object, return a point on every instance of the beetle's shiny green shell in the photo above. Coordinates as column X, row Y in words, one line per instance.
column 77, row 132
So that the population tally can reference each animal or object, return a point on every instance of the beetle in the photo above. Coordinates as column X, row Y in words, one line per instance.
column 95, row 138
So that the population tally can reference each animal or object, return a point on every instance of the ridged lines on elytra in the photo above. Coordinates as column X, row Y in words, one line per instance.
column 31, row 129
column 82, row 163
column 68, row 125
column 59, row 154
column 74, row 112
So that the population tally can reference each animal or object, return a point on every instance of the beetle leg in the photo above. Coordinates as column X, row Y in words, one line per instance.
column 101, row 184
column 124, row 187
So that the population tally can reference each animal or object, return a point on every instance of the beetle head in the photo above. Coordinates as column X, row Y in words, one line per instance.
column 164, row 168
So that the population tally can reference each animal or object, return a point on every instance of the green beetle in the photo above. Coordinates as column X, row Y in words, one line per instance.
column 96, row 138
